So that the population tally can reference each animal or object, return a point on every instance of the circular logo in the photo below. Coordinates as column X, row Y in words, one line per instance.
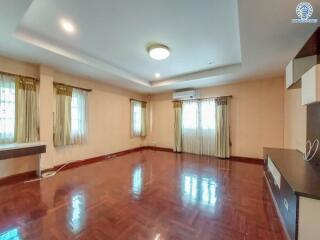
column 304, row 10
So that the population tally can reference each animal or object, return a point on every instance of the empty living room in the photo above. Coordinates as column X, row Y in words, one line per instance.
column 159, row 120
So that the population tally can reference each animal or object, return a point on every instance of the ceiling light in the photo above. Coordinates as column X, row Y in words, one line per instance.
column 157, row 75
column 159, row 51
column 67, row 26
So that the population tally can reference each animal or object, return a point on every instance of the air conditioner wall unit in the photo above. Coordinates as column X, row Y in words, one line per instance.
column 185, row 95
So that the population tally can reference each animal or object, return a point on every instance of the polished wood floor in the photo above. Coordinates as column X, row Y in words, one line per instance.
column 144, row 195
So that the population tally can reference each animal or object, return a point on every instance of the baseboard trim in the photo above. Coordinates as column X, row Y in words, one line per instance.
column 153, row 148
column 32, row 174
column 79, row 163
column 21, row 177
column 258, row 161
column 16, row 178
column 158, row 149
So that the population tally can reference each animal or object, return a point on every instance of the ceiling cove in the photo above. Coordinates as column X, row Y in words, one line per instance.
column 116, row 38
column 211, row 42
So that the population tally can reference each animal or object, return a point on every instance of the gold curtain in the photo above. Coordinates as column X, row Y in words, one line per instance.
column 143, row 119
column 177, row 105
column 62, row 119
column 222, row 140
column 27, row 112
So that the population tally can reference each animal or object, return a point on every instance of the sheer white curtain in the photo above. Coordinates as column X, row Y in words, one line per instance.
column 78, row 116
column 198, row 126
column 7, row 109
column 136, row 118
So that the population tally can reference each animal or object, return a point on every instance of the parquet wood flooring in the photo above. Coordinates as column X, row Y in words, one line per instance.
column 144, row 195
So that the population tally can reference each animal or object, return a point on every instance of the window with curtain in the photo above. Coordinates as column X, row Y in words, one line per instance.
column 7, row 109
column 138, row 118
column 198, row 126
column 70, row 126
column 18, row 109
column 78, row 116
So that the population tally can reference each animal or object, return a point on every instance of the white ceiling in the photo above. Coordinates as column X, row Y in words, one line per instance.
column 112, row 35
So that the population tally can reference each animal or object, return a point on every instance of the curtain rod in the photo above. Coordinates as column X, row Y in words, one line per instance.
column 17, row 75
column 228, row 96
column 132, row 99
column 83, row 89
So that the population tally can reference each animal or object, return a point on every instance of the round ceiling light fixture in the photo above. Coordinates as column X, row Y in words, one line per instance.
column 67, row 26
column 159, row 51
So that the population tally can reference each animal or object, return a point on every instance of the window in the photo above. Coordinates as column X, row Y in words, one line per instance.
column 138, row 118
column 78, row 116
column 198, row 126
column 208, row 115
column 190, row 115
column 7, row 109
column 18, row 109
column 198, row 114
column 70, row 124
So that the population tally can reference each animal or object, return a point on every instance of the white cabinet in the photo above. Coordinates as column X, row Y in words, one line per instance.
column 296, row 68
column 310, row 83
column 289, row 74
column 274, row 172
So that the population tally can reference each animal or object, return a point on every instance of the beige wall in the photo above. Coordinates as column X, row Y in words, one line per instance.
column 109, row 119
column 257, row 116
column 18, row 67
column 22, row 164
column 262, row 114
column 295, row 120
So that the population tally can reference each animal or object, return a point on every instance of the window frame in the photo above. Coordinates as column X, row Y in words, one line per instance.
column 198, row 116
column 81, row 109
column 135, row 133
column 11, row 92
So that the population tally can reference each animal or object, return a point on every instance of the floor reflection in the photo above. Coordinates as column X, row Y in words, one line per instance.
column 77, row 213
column 190, row 186
column 198, row 190
column 208, row 188
column 12, row 234
column 137, row 180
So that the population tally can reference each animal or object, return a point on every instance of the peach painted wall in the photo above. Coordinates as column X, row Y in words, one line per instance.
column 295, row 120
column 262, row 114
column 22, row 164
column 109, row 119
column 257, row 116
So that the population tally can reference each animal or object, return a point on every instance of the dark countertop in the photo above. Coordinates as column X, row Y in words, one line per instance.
column 303, row 177
column 15, row 150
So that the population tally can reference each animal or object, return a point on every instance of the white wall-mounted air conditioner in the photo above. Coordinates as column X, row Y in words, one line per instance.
column 185, row 95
